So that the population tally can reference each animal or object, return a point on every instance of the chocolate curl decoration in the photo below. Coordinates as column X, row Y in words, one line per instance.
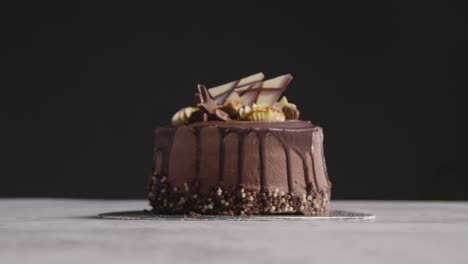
column 198, row 116
column 197, row 99
column 221, row 115
column 208, row 104
column 291, row 113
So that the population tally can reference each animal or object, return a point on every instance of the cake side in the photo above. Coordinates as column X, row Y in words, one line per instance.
column 240, row 168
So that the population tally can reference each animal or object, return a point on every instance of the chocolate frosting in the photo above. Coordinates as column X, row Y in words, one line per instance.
column 258, row 155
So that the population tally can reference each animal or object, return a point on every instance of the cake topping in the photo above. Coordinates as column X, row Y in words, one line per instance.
column 290, row 110
column 234, row 101
column 198, row 116
column 291, row 113
column 267, row 92
column 221, row 92
column 262, row 113
column 221, row 115
column 182, row 116
column 247, row 99
column 208, row 104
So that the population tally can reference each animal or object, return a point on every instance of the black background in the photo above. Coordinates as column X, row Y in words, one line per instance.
column 84, row 86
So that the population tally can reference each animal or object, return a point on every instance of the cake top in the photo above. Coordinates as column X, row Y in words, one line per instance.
column 248, row 99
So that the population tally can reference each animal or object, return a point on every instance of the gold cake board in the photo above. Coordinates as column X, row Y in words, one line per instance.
column 333, row 215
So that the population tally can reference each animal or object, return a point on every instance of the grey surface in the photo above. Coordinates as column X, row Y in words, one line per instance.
column 66, row 231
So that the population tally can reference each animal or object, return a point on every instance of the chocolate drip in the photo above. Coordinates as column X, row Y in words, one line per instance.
column 288, row 167
column 164, row 145
column 303, row 155
column 292, row 136
column 261, row 151
column 306, row 172
column 222, row 133
column 240, row 158
column 287, row 149
column 313, row 163
column 325, row 167
column 198, row 154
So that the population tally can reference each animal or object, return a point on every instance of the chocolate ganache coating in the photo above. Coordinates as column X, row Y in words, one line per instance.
column 240, row 167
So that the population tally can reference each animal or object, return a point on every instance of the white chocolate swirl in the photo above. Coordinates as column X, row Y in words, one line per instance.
column 261, row 113
column 182, row 116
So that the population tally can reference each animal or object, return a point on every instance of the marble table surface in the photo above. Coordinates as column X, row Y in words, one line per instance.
column 67, row 231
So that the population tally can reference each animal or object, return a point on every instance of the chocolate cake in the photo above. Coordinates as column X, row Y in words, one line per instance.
column 240, row 151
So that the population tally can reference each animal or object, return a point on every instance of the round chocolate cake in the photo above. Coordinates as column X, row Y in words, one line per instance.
column 239, row 151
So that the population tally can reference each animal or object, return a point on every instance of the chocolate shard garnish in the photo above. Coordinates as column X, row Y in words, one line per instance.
column 266, row 92
column 272, row 89
column 233, row 97
column 221, row 92
column 221, row 115
column 232, row 104
column 197, row 98
column 248, row 94
column 208, row 104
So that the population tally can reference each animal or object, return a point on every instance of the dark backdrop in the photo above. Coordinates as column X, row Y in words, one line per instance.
column 84, row 87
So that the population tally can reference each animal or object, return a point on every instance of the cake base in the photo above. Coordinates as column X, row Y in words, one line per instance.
column 232, row 201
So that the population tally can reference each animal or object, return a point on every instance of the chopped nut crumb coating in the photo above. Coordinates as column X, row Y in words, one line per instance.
column 165, row 199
